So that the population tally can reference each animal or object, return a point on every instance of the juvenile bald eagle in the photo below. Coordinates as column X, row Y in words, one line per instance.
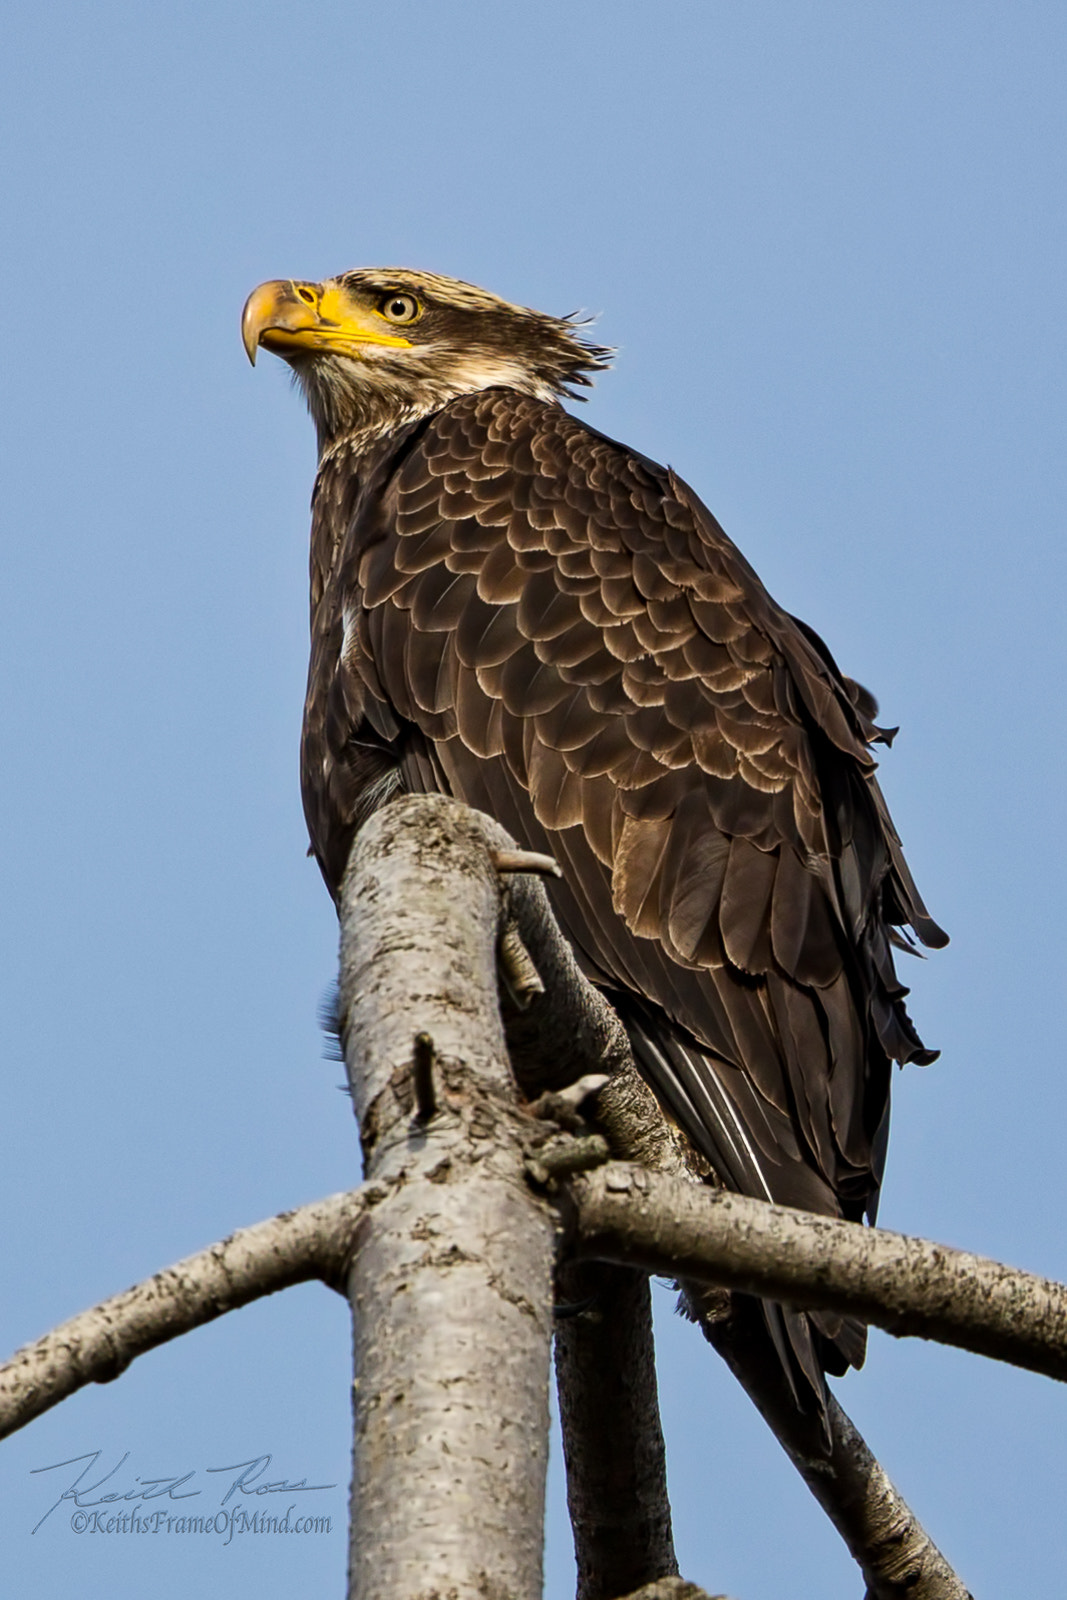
column 508, row 607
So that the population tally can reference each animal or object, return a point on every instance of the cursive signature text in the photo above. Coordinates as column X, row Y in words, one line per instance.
column 240, row 1478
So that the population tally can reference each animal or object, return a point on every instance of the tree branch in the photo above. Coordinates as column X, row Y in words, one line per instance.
column 612, row 1438
column 451, row 1288
column 97, row 1345
column 898, row 1558
column 908, row 1286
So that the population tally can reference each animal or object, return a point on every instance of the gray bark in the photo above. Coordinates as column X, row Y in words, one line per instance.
column 612, row 1438
column 905, row 1285
column 99, row 1344
column 896, row 1555
column 605, row 1368
column 451, row 1286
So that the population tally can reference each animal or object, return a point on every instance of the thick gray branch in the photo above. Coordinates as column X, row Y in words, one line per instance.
column 906, row 1286
column 99, row 1344
column 612, row 1438
column 451, row 1288
column 898, row 1558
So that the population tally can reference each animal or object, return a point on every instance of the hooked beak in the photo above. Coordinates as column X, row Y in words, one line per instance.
column 292, row 318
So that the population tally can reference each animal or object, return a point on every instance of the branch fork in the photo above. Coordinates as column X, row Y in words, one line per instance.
column 447, row 1256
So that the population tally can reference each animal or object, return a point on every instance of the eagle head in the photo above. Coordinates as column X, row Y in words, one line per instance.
column 379, row 347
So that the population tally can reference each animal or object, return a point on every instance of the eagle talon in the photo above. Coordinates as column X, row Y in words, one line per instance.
column 505, row 861
column 520, row 977
column 564, row 1106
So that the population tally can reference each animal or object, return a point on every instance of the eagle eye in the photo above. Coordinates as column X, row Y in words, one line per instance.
column 400, row 308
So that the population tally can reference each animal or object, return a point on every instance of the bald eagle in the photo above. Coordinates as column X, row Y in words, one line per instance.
column 511, row 608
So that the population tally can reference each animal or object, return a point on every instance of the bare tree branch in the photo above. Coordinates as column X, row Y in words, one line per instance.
column 97, row 1345
column 606, row 1372
column 898, row 1558
column 612, row 1438
column 451, row 1288
column 908, row 1286
column 434, row 1095
column 317, row 1240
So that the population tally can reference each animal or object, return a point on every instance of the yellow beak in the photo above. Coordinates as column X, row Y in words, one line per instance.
column 289, row 318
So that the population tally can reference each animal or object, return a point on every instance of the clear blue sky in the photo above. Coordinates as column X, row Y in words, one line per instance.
column 829, row 242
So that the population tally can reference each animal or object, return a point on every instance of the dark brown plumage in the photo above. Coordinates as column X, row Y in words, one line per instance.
column 511, row 608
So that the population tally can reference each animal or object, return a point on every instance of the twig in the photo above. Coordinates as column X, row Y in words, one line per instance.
column 565, row 1156
column 422, row 1078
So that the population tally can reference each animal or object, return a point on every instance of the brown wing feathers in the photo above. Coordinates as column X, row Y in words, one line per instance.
column 556, row 630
